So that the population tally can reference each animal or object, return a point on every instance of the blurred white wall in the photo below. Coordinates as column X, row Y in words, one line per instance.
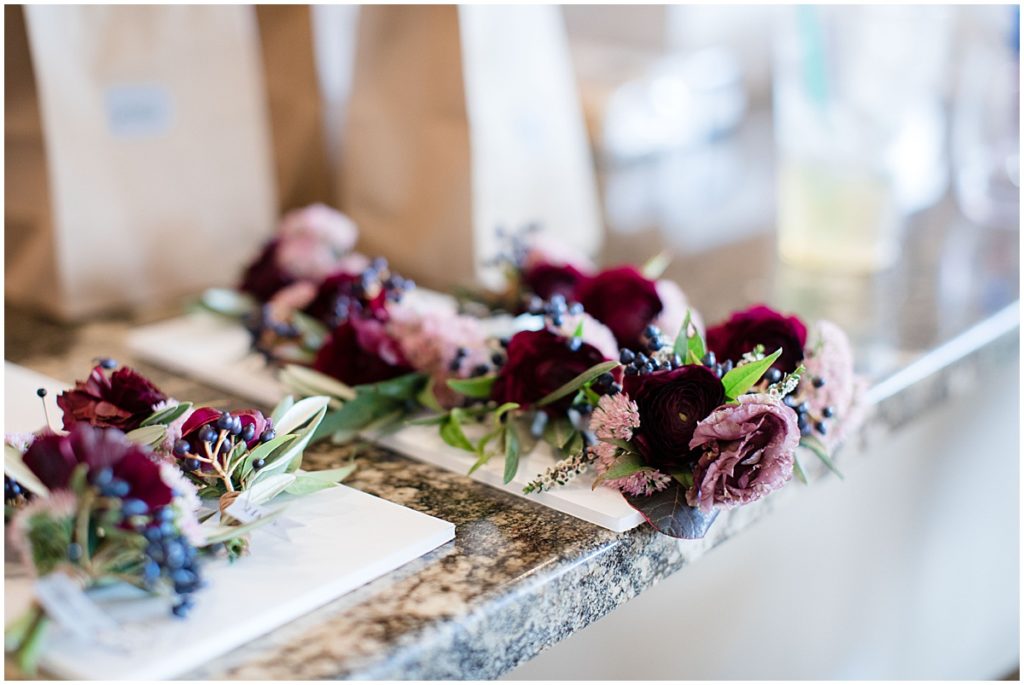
column 908, row 569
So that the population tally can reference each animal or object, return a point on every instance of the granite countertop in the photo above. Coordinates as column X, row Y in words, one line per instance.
column 519, row 577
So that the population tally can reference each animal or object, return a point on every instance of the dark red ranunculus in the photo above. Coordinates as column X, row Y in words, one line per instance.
column 760, row 325
column 545, row 279
column 207, row 415
column 671, row 404
column 538, row 363
column 361, row 351
column 53, row 458
column 124, row 400
column 263, row 278
column 347, row 289
column 624, row 301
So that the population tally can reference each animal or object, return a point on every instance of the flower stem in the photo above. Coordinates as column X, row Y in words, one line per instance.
column 27, row 653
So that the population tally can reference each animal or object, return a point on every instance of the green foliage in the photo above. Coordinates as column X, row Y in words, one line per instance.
column 168, row 415
column 577, row 383
column 477, row 388
column 743, row 377
column 821, row 452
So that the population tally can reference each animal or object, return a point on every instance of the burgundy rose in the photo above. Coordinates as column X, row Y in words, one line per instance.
column 624, row 301
column 747, row 452
column 546, row 279
column 124, row 400
column 759, row 325
column 538, row 363
column 53, row 458
column 361, row 351
column 671, row 404
column 344, row 294
column 263, row 278
column 205, row 416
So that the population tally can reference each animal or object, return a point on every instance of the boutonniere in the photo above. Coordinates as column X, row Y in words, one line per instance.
column 94, row 509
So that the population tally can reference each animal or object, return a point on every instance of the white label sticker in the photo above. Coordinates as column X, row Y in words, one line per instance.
column 247, row 511
column 139, row 110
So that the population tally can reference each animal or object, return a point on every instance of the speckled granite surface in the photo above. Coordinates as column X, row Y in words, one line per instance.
column 519, row 577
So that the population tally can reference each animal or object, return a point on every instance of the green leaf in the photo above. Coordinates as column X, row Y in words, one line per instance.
column 511, row 453
column 356, row 415
column 626, row 465
column 269, row 487
column 283, row 406
column 451, row 433
column 168, row 415
column 477, row 388
column 147, row 435
column 654, row 267
column 742, row 378
column 15, row 467
column 504, row 409
column 307, row 482
column 228, row 302
column 306, row 381
column 432, row 420
column 262, row 451
column 623, row 445
column 815, row 446
column 578, row 333
column 405, row 387
column 427, row 398
column 577, row 382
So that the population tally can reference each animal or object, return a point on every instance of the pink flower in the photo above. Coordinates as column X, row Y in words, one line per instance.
column 641, row 484
column 748, row 452
column 19, row 441
column 173, row 433
column 828, row 357
column 615, row 417
column 430, row 340
column 313, row 240
column 595, row 333
column 187, row 500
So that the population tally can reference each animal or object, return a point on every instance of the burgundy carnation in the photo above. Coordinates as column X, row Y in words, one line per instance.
column 361, row 351
column 263, row 278
column 122, row 401
column 546, row 279
column 342, row 295
column 760, row 325
column 671, row 404
column 538, row 363
column 747, row 452
column 53, row 459
column 207, row 415
column 624, row 301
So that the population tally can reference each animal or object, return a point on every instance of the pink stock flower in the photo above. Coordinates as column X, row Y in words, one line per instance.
column 828, row 357
column 641, row 484
column 747, row 452
column 313, row 240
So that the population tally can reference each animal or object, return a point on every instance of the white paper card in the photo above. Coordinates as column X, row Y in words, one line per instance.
column 347, row 539
column 215, row 350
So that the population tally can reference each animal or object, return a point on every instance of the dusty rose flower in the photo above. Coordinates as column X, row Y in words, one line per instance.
column 430, row 339
column 595, row 333
column 748, row 452
column 615, row 417
column 828, row 357
column 312, row 240
column 641, row 484
column 124, row 400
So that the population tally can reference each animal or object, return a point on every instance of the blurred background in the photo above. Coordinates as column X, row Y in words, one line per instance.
column 858, row 163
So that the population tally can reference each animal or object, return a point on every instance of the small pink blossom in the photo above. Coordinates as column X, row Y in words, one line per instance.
column 19, row 441
column 748, row 451
column 829, row 356
column 640, row 484
column 430, row 339
column 615, row 417
column 313, row 240
column 674, row 306
column 186, row 499
column 543, row 249
column 595, row 333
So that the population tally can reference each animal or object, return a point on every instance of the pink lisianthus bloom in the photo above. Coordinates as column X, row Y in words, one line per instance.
column 747, row 452
column 430, row 340
column 829, row 358
column 313, row 240
column 595, row 333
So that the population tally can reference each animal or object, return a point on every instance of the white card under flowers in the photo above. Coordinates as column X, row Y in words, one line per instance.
column 216, row 351
column 347, row 539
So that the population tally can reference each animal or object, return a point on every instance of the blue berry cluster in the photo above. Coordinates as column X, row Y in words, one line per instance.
column 353, row 297
column 554, row 310
column 170, row 556
column 807, row 421
column 14, row 492
column 229, row 431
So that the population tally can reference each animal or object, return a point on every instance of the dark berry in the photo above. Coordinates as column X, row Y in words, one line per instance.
column 207, row 434
column 821, row 427
column 828, row 412
column 708, row 359
column 268, row 435
column 181, row 448
column 818, row 381
column 626, row 356
column 191, row 464
column 225, row 422
column 259, row 464
column 773, row 375
column 248, row 432
column 133, row 507
column 74, row 552
column 108, row 363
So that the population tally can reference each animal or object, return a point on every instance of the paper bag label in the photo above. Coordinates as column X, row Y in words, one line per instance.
column 139, row 110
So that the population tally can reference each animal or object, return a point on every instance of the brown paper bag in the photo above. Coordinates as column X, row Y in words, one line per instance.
column 157, row 155
column 462, row 119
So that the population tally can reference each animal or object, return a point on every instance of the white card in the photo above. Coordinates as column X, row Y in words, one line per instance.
column 347, row 539
column 216, row 351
